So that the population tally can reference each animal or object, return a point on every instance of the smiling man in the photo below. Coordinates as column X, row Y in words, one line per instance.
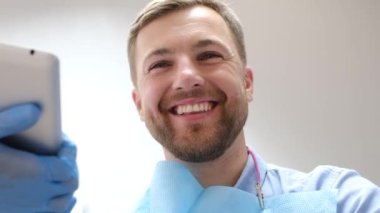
column 192, row 89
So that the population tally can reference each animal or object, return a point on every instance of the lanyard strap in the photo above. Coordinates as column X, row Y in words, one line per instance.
column 259, row 191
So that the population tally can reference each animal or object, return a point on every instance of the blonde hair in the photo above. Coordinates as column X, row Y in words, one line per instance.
column 158, row 8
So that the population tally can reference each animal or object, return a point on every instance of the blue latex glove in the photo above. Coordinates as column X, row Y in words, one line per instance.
column 30, row 182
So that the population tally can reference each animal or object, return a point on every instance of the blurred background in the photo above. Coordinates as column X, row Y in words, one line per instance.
column 316, row 97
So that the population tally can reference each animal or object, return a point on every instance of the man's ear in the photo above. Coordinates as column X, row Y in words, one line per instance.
column 137, row 100
column 249, row 83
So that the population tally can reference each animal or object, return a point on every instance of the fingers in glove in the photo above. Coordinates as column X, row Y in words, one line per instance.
column 18, row 118
column 61, row 204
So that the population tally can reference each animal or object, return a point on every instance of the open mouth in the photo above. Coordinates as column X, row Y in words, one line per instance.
column 193, row 108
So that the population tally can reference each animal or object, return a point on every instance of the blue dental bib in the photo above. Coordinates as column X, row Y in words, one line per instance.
column 175, row 190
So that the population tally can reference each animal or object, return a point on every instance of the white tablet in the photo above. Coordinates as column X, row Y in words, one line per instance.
column 28, row 75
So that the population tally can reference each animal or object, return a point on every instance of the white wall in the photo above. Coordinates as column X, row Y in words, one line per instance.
column 317, row 95
column 316, row 86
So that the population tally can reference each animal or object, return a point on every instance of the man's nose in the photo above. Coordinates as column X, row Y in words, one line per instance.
column 187, row 76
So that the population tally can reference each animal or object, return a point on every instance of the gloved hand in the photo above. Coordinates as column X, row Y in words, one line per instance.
column 30, row 182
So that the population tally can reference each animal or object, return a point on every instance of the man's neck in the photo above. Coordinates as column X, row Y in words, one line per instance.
column 224, row 170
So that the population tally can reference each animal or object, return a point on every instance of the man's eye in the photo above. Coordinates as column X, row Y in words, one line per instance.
column 209, row 56
column 159, row 65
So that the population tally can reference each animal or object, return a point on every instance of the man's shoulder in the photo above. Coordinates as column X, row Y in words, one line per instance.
column 323, row 177
column 354, row 192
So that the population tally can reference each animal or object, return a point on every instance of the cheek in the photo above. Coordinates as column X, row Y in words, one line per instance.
column 149, row 101
column 151, row 97
column 231, row 84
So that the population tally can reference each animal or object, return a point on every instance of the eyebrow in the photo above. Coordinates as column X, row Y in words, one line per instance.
column 159, row 52
column 209, row 42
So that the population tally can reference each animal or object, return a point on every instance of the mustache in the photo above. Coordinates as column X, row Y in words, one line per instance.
column 216, row 95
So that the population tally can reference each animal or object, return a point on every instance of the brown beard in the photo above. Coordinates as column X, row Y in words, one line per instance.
column 201, row 142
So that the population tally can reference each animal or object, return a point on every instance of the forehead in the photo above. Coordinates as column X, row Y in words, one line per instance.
column 182, row 28
column 197, row 15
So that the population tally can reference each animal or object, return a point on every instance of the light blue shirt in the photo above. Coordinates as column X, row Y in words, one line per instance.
column 352, row 193
column 355, row 193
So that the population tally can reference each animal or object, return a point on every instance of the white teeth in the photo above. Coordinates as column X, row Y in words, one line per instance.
column 193, row 108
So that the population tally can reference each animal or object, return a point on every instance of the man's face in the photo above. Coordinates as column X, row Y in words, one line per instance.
column 192, row 87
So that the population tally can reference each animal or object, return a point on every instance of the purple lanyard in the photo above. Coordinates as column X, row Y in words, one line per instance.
column 259, row 191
